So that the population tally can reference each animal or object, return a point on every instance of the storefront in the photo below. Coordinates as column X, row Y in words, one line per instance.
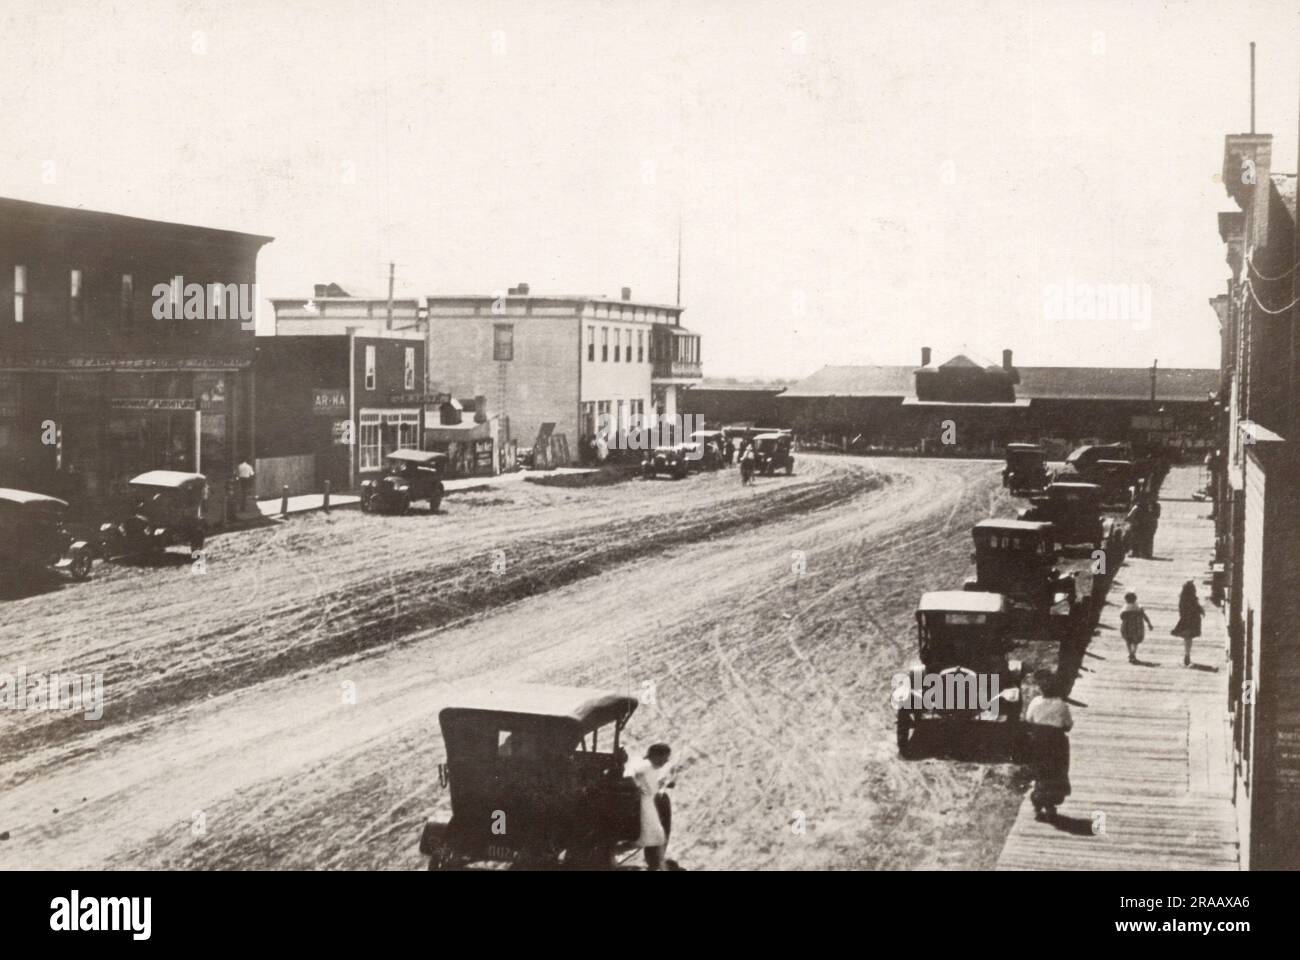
column 83, row 432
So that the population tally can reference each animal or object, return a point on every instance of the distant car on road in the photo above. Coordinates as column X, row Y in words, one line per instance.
column 1073, row 509
column 772, row 451
column 33, row 535
column 1026, row 469
column 670, row 460
column 411, row 476
column 536, row 776
column 166, row 509
column 713, row 445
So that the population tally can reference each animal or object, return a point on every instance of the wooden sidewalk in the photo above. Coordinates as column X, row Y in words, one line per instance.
column 1150, row 764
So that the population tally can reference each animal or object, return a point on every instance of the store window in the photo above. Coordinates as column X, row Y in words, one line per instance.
column 408, row 371
column 370, row 367
column 369, row 441
column 503, row 341
column 383, row 431
column 20, row 292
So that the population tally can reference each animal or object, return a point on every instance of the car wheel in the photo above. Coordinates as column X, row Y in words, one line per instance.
column 81, row 564
column 366, row 505
column 789, row 469
column 435, row 502
column 903, row 729
column 196, row 542
column 404, row 505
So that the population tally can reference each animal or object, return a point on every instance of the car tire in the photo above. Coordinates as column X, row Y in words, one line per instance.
column 366, row 505
column 196, row 542
column 903, row 729
column 82, row 561
column 789, row 469
column 404, row 505
column 435, row 502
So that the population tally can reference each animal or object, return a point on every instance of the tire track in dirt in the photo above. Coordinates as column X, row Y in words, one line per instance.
column 288, row 777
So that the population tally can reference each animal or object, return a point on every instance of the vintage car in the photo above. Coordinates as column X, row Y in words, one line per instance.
column 1081, row 460
column 536, row 777
column 33, row 535
column 1026, row 469
column 166, row 509
column 1017, row 558
column 712, row 444
column 674, row 461
column 411, row 475
column 1074, row 509
column 1118, row 480
column 772, row 453
column 962, row 642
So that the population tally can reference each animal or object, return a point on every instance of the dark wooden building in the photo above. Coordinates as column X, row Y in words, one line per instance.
column 331, row 407
column 125, row 345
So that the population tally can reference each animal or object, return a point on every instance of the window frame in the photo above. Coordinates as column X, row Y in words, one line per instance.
column 370, row 367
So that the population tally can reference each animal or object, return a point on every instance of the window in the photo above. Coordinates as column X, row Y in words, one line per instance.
column 628, row 355
column 20, row 292
column 370, row 367
column 640, row 346
column 604, row 344
column 126, row 302
column 369, row 441
column 408, row 372
column 591, row 343
column 503, row 341
column 618, row 343
column 76, row 299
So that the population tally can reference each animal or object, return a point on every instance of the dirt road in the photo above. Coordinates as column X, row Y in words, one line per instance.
column 279, row 710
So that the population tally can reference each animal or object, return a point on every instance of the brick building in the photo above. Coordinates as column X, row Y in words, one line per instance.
column 125, row 345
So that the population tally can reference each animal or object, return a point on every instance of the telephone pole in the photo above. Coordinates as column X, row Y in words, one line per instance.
column 391, row 268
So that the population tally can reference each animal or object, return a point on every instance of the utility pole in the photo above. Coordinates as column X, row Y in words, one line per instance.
column 1154, row 364
column 391, row 268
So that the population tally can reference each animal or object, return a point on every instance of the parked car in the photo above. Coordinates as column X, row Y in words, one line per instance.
column 713, row 445
column 961, row 633
column 670, row 460
column 33, row 535
column 536, row 776
column 1118, row 480
column 1073, row 509
column 411, row 476
column 1017, row 558
column 166, row 509
column 772, row 453
column 1081, row 460
column 1026, row 469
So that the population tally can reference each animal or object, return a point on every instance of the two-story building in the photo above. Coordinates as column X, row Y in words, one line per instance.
column 125, row 345
column 573, row 361
column 331, row 407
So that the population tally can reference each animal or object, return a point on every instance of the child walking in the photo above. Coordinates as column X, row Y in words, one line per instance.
column 1133, row 621
column 1190, row 613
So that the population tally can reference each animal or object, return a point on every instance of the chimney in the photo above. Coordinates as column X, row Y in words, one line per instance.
column 320, row 290
column 925, row 356
column 627, row 293
column 1006, row 360
column 523, row 289
column 480, row 409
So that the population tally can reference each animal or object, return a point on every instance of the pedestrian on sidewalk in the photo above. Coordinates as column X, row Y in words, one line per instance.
column 245, row 474
column 1133, row 621
column 1048, row 725
column 1190, row 613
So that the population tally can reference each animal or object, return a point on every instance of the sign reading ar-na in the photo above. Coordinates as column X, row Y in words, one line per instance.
column 327, row 402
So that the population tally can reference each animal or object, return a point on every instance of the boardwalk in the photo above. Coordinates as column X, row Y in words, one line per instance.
column 1150, row 746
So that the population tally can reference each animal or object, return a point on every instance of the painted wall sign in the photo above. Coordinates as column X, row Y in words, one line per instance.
column 152, row 403
column 329, row 402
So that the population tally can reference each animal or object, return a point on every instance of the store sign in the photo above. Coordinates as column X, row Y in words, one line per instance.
column 329, row 402
column 152, row 403
column 416, row 399
column 124, row 363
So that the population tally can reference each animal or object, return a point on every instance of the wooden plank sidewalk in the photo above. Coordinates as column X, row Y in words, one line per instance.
column 1150, row 764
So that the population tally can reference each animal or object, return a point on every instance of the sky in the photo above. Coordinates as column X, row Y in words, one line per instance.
column 851, row 180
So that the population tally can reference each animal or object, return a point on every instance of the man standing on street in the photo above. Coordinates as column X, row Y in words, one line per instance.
column 245, row 473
